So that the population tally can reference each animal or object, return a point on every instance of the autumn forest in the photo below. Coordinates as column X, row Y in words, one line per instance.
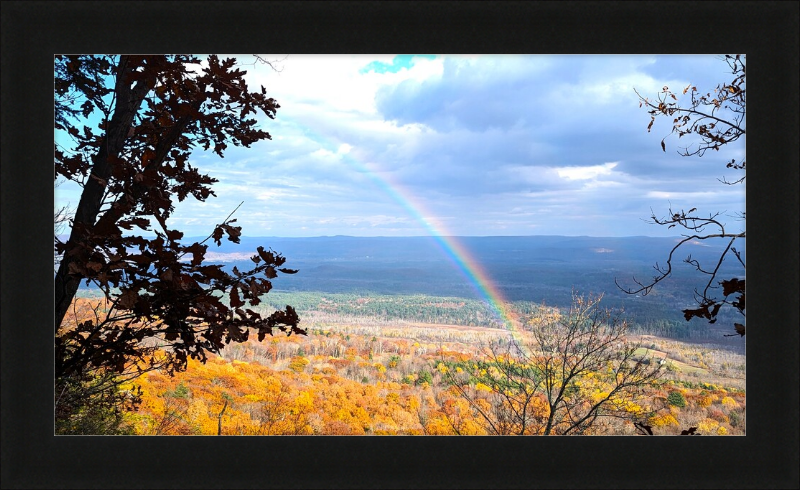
column 158, row 332
column 377, row 374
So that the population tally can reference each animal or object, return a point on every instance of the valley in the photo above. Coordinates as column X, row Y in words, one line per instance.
column 388, row 319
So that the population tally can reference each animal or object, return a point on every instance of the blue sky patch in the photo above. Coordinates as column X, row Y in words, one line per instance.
column 398, row 63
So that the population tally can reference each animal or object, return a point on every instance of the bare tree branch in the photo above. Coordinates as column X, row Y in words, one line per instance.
column 703, row 118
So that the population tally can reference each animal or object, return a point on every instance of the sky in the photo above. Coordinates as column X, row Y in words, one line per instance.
column 406, row 145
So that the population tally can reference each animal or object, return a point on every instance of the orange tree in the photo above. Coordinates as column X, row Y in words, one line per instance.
column 134, row 122
column 713, row 119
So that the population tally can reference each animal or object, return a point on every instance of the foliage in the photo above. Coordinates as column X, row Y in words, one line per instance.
column 417, row 307
column 163, row 302
column 336, row 395
column 298, row 364
column 655, row 314
column 424, row 377
column 663, row 420
column 569, row 374
column 714, row 120
column 676, row 398
column 92, row 402
column 181, row 391
column 735, row 419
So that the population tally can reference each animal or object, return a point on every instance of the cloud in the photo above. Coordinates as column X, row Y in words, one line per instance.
column 585, row 173
column 484, row 145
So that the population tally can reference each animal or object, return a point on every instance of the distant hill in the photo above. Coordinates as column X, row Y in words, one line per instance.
column 529, row 268
column 513, row 248
column 524, row 268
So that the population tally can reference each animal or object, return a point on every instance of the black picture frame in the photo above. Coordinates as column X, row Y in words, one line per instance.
column 33, row 458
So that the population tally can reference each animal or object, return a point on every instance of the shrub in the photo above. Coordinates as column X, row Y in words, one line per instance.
column 93, row 403
column 424, row 377
column 706, row 401
column 676, row 399
column 298, row 364
column 663, row 420
column 718, row 415
column 707, row 426
column 735, row 418
column 181, row 391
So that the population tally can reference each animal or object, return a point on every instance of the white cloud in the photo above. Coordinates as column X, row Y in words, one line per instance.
column 489, row 144
column 585, row 173
column 307, row 82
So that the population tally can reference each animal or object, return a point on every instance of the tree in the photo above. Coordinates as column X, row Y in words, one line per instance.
column 60, row 221
column 134, row 122
column 569, row 374
column 714, row 120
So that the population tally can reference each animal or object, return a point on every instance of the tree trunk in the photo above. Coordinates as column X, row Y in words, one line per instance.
column 219, row 418
column 128, row 100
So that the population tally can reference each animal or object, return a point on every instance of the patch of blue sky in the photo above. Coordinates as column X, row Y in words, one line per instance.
column 399, row 62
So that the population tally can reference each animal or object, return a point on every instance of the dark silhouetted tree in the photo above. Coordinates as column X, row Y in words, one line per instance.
column 134, row 121
column 712, row 120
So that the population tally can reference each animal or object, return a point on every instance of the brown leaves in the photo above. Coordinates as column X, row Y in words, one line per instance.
column 267, row 257
column 710, row 308
column 94, row 266
column 212, row 272
column 235, row 300
column 285, row 321
column 733, row 286
column 233, row 232
column 127, row 299
column 146, row 169
column 128, row 224
column 198, row 252
column 166, row 276
column 707, row 310
column 174, row 235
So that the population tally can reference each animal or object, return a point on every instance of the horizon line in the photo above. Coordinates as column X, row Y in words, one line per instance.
column 454, row 236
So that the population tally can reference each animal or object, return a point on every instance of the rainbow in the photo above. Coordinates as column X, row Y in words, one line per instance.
column 449, row 244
